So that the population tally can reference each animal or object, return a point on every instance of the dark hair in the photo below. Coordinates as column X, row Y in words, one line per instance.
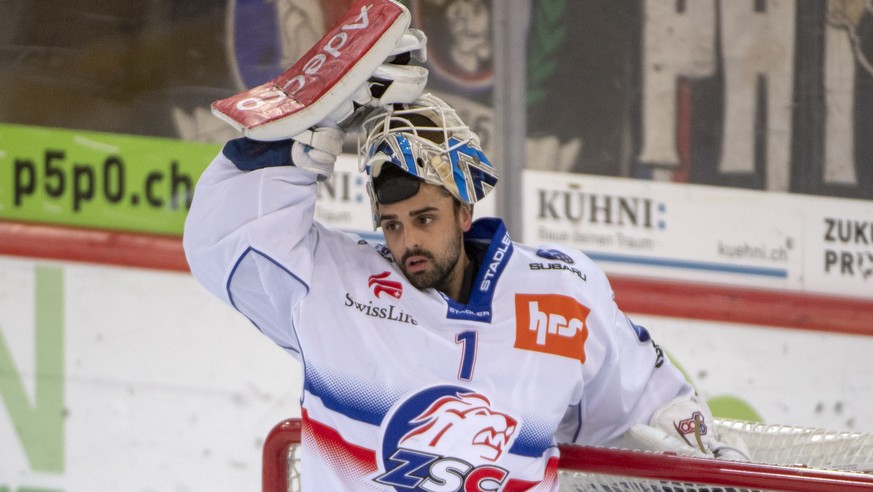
column 394, row 184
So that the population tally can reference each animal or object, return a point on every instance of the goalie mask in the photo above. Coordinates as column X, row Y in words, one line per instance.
column 401, row 146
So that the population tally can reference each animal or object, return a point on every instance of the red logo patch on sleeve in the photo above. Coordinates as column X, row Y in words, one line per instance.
column 551, row 323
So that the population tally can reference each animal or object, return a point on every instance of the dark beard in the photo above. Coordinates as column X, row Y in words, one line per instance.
column 441, row 267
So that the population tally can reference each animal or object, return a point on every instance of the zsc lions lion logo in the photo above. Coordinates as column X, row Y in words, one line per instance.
column 464, row 421
column 446, row 436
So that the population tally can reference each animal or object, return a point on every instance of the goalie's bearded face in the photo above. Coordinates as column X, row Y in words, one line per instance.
column 425, row 234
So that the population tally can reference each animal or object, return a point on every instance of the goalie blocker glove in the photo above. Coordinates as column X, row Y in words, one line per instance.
column 392, row 82
column 320, row 84
column 361, row 63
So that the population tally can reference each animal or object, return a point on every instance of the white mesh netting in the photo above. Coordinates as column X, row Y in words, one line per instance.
column 812, row 459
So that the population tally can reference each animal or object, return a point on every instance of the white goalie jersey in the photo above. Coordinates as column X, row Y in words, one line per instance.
column 406, row 389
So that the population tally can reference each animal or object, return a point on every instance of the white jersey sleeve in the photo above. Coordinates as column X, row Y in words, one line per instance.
column 250, row 233
column 627, row 376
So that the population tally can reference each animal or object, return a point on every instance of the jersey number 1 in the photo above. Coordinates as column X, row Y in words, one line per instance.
column 469, row 341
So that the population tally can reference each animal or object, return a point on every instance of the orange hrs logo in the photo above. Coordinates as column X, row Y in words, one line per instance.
column 552, row 324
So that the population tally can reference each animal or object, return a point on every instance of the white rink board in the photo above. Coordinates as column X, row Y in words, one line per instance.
column 792, row 242
column 790, row 377
column 165, row 387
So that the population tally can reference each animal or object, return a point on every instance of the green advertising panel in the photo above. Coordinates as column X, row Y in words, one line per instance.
column 98, row 180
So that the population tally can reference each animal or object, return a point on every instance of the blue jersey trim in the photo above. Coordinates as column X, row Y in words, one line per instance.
column 349, row 406
column 230, row 277
column 248, row 155
column 479, row 308
column 578, row 421
column 530, row 445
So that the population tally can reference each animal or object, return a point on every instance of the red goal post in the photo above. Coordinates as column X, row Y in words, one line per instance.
column 787, row 458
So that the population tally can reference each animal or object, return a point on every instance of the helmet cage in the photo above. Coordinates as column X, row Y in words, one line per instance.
column 444, row 153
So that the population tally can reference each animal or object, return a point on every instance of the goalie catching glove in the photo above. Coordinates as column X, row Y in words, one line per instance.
column 685, row 427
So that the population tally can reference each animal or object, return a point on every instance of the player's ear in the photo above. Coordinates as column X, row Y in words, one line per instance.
column 465, row 216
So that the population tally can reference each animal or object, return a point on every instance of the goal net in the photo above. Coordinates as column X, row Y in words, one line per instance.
column 784, row 458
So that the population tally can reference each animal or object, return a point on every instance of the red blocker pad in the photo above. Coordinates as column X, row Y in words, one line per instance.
column 329, row 73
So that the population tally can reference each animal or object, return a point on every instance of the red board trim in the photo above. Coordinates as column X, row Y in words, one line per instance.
column 668, row 298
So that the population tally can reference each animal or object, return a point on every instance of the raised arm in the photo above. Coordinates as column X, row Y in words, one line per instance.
column 250, row 233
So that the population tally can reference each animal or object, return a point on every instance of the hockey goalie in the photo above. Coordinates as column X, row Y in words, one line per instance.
column 447, row 357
